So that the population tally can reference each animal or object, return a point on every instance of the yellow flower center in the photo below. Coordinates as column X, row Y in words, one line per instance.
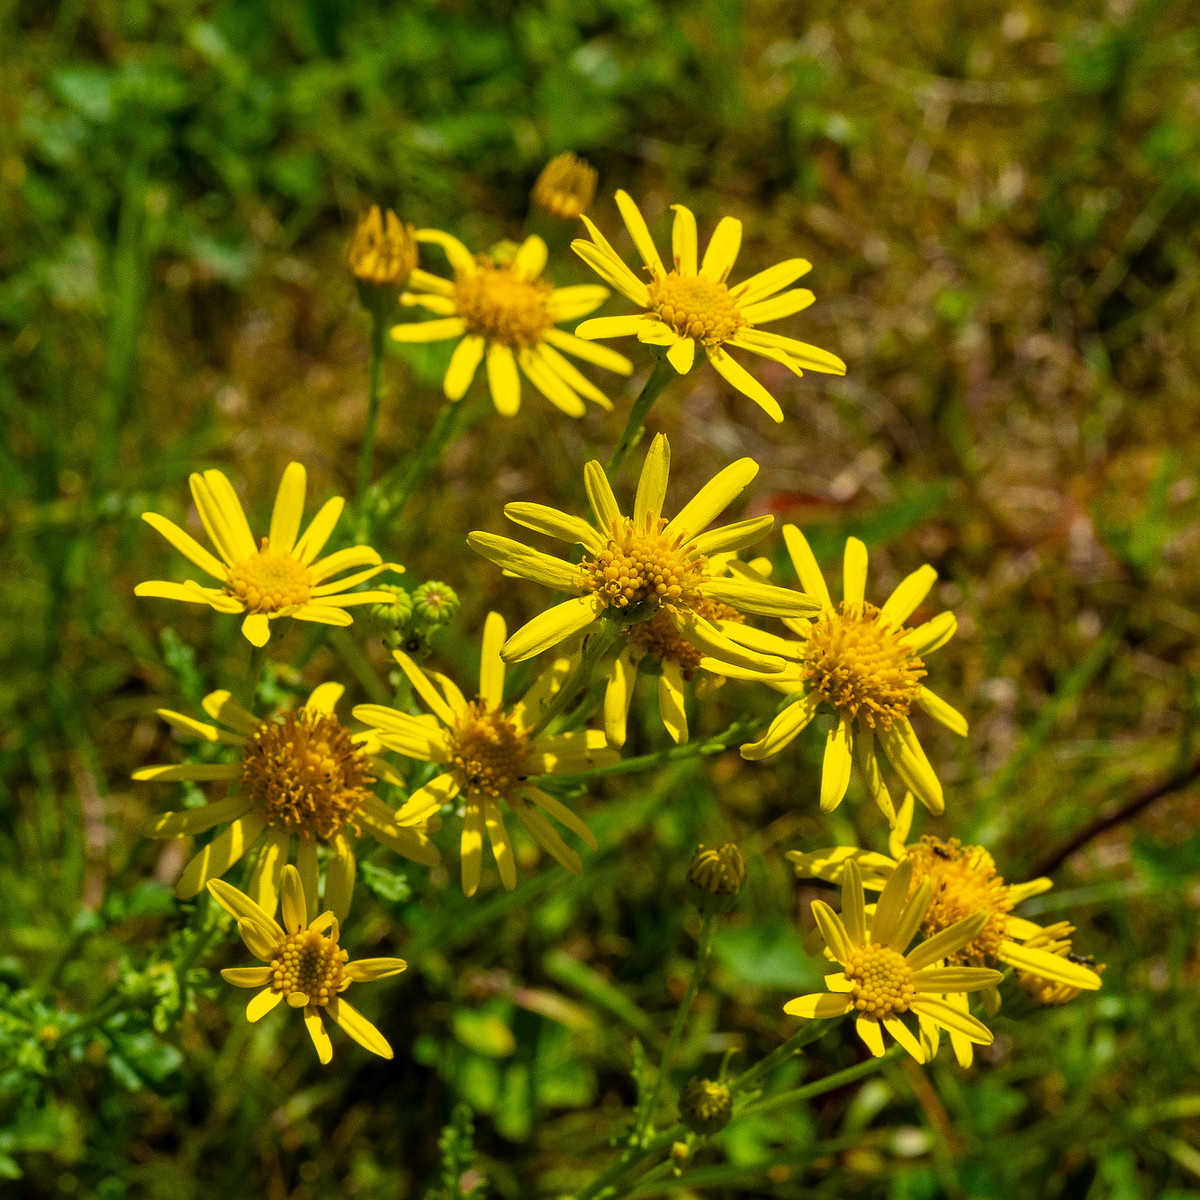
column 267, row 582
column 502, row 308
column 303, row 771
column 659, row 636
column 883, row 981
column 695, row 307
column 311, row 963
column 490, row 752
column 857, row 661
column 644, row 565
column 964, row 882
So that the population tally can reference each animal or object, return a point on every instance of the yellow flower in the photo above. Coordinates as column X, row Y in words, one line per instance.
column 861, row 661
column 382, row 254
column 299, row 773
column 305, row 965
column 506, row 312
column 686, row 304
column 486, row 752
column 1055, row 940
column 566, row 187
column 677, row 660
column 963, row 881
column 879, row 981
column 281, row 577
column 635, row 567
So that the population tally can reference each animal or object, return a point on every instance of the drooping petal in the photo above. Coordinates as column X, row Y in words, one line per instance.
column 618, row 695
column 550, row 383
column 942, row 712
column 868, row 764
column 835, row 769
column 308, row 874
column 953, row 1019
column 868, row 1029
column 358, row 1027
column 339, row 878
column 562, row 814
column 546, row 836
column 501, row 843
column 262, row 1004
column 263, row 887
column 898, row 838
column 740, row 378
column 904, row 1036
column 319, row 1034
column 220, row 854
column 682, row 355
column 471, row 846
column 561, row 367
column 256, row 629
column 671, row 701
column 906, row 756
column 464, row 362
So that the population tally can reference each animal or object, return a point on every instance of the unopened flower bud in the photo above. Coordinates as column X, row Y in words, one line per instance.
column 394, row 614
column 705, row 1107
column 503, row 252
column 566, row 187
column 382, row 256
column 435, row 603
column 715, row 877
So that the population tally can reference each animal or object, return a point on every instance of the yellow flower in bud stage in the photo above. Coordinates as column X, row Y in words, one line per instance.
column 861, row 662
column 879, row 981
column 506, row 314
column 635, row 568
column 566, row 187
column 304, row 964
column 1055, row 940
column 488, row 755
column 384, row 251
column 300, row 773
column 689, row 304
column 660, row 642
column 963, row 880
column 716, row 876
column 279, row 577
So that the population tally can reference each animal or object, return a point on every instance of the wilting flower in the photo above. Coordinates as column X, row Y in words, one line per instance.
column 878, row 980
column 384, row 251
column 488, row 754
column 863, row 663
column 305, row 965
column 281, row 577
column 299, row 774
column 686, row 304
column 637, row 567
column 566, row 187
column 963, row 881
column 506, row 314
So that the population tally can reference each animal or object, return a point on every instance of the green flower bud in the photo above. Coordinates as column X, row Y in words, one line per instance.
column 396, row 613
column 705, row 1107
column 715, row 877
column 435, row 603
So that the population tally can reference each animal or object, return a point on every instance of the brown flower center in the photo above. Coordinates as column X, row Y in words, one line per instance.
column 883, row 981
column 964, row 882
column 267, row 582
column 695, row 307
column 500, row 307
column 857, row 661
column 305, row 773
column 644, row 565
column 490, row 752
column 310, row 963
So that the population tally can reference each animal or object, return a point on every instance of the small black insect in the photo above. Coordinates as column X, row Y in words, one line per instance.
column 1082, row 960
column 942, row 852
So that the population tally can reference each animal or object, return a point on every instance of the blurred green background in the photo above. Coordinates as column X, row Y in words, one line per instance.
column 1000, row 201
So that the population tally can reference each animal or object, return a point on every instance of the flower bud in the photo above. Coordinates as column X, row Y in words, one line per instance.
column 566, row 187
column 382, row 256
column 715, row 877
column 705, row 1107
column 435, row 603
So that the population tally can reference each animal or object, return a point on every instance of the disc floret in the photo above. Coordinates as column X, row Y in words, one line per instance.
column 695, row 307
column 857, row 660
column 645, row 565
column 490, row 751
column 268, row 583
column 499, row 305
column 309, row 964
column 883, row 981
column 305, row 773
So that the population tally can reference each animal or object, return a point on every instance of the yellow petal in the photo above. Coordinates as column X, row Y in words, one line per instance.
column 191, row 821
column 805, row 563
column 501, row 843
column 220, row 854
column 295, row 909
column 956, row 979
column 1048, row 966
column 471, row 846
column 942, row 712
column 947, row 942
column 818, row 1005
column 192, row 771
column 288, row 510
column 683, row 241
column 854, row 572
column 561, row 813
column 891, row 907
column 247, row 977
column 367, row 970
column 762, row 598
column 745, row 383
column 832, row 930
column 909, row 593
column 671, row 702
column 706, row 637
column 854, row 916
column 546, row 836
column 682, row 355
column 571, row 376
column 318, row 1033
column 550, row 384
column 262, row 1004
column 953, row 1019
column 424, row 688
column 868, row 764
column 555, row 524
column 521, row 560
column 460, row 258
column 504, row 383
column 427, row 800
column 636, row 224
column 339, row 878
column 618, row 695
column 359, row 1028
column 464, row 362
column 652, row 484
column 256, row 629
column 783, row 729
column 835, row 770
column 777, row 307
column 571, row 303
column 736, row 536
column 600, row 356
column 551, row 627
column 722, row 250
column 186, row 545
column 904, row 1036
column 712, row 499
column 906, row 756
column 801, row 354
column 768, row 282
column 161, row 589
column 263, row 887
column 491, row 665
column 530, row 260
column 440, row 330
column 242, row 541
column 319, row 530
column 935, row 633
column 868, row 1029
column 240, row 906
column 607, row 263
column 600, row 497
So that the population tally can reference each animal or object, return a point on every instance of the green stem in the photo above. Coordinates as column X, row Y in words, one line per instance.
column 254, row 668
column 374, row 393
column 809, row 1032
column 662, row 374
column 594, row 649
column 630, row 1161
column 646, row 1115
column 819, row 1087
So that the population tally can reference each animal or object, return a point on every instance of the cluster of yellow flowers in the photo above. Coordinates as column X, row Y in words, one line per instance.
column 646, row 585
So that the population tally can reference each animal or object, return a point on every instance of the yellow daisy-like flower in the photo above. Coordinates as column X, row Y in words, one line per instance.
column 863, row 663
column 964, row 880
column 566, row 187
column 678, row 662
column 637, row 567
column 1055, row 940
column 304, row 964
column 300, row 774
column 488, row 755
column 690, row 304
column 505, row 312
column 279, row 577
column 882, row 983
